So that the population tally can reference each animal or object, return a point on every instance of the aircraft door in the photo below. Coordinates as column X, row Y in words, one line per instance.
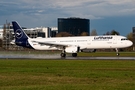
column 115, row 40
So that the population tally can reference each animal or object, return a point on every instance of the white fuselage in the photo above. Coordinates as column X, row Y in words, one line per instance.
column 85, row 42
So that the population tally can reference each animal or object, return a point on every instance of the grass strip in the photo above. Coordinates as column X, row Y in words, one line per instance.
column 67, row 74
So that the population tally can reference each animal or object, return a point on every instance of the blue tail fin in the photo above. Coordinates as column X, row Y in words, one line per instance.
column 21, row 38
column 19, row 33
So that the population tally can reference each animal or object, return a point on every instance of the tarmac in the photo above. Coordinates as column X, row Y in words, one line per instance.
column 57, row 56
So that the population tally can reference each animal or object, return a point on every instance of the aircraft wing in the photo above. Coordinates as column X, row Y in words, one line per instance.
column 53, row 44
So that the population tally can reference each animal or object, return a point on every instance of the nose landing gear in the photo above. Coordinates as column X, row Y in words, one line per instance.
column 117, row 52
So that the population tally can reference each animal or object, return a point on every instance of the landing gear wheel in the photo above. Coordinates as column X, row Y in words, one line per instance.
column 63, row 55
column 118, row 54
column 74, row 54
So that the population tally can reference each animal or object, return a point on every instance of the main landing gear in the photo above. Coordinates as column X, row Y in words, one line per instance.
column 117, row 52
column 74, row 54
column 63, row 54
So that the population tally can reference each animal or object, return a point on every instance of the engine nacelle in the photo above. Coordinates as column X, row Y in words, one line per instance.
column 72, row 49
column 88, row 50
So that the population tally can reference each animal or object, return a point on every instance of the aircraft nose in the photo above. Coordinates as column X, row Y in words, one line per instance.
column 130, row 43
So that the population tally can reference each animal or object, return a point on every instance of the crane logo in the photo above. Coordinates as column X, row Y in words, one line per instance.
column 18, row 33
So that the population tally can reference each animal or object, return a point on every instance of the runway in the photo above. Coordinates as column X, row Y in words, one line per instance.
column 57, row 56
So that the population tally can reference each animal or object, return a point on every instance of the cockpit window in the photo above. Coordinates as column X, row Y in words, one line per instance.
column 124, row 39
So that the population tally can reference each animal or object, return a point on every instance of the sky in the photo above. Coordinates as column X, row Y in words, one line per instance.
column 104, row 15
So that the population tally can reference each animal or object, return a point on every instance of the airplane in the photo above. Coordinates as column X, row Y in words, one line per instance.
column 72, row 45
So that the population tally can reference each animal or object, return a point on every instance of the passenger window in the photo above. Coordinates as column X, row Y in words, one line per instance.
column 123, row 39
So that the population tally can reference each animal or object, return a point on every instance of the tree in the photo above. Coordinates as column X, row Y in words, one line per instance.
column 63, row 34
column 113, row 32
column 93, row 32
column 84, row 34
column 130, row 36
column 107, row 33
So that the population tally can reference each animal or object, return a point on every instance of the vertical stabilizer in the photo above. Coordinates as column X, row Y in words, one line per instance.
column 19, row 33
column 21, row 37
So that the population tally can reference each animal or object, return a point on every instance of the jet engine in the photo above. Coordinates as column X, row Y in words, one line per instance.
column 72, row 49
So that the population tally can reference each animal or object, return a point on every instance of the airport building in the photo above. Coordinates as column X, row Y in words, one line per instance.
column 74, row 26
column 1, row 31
